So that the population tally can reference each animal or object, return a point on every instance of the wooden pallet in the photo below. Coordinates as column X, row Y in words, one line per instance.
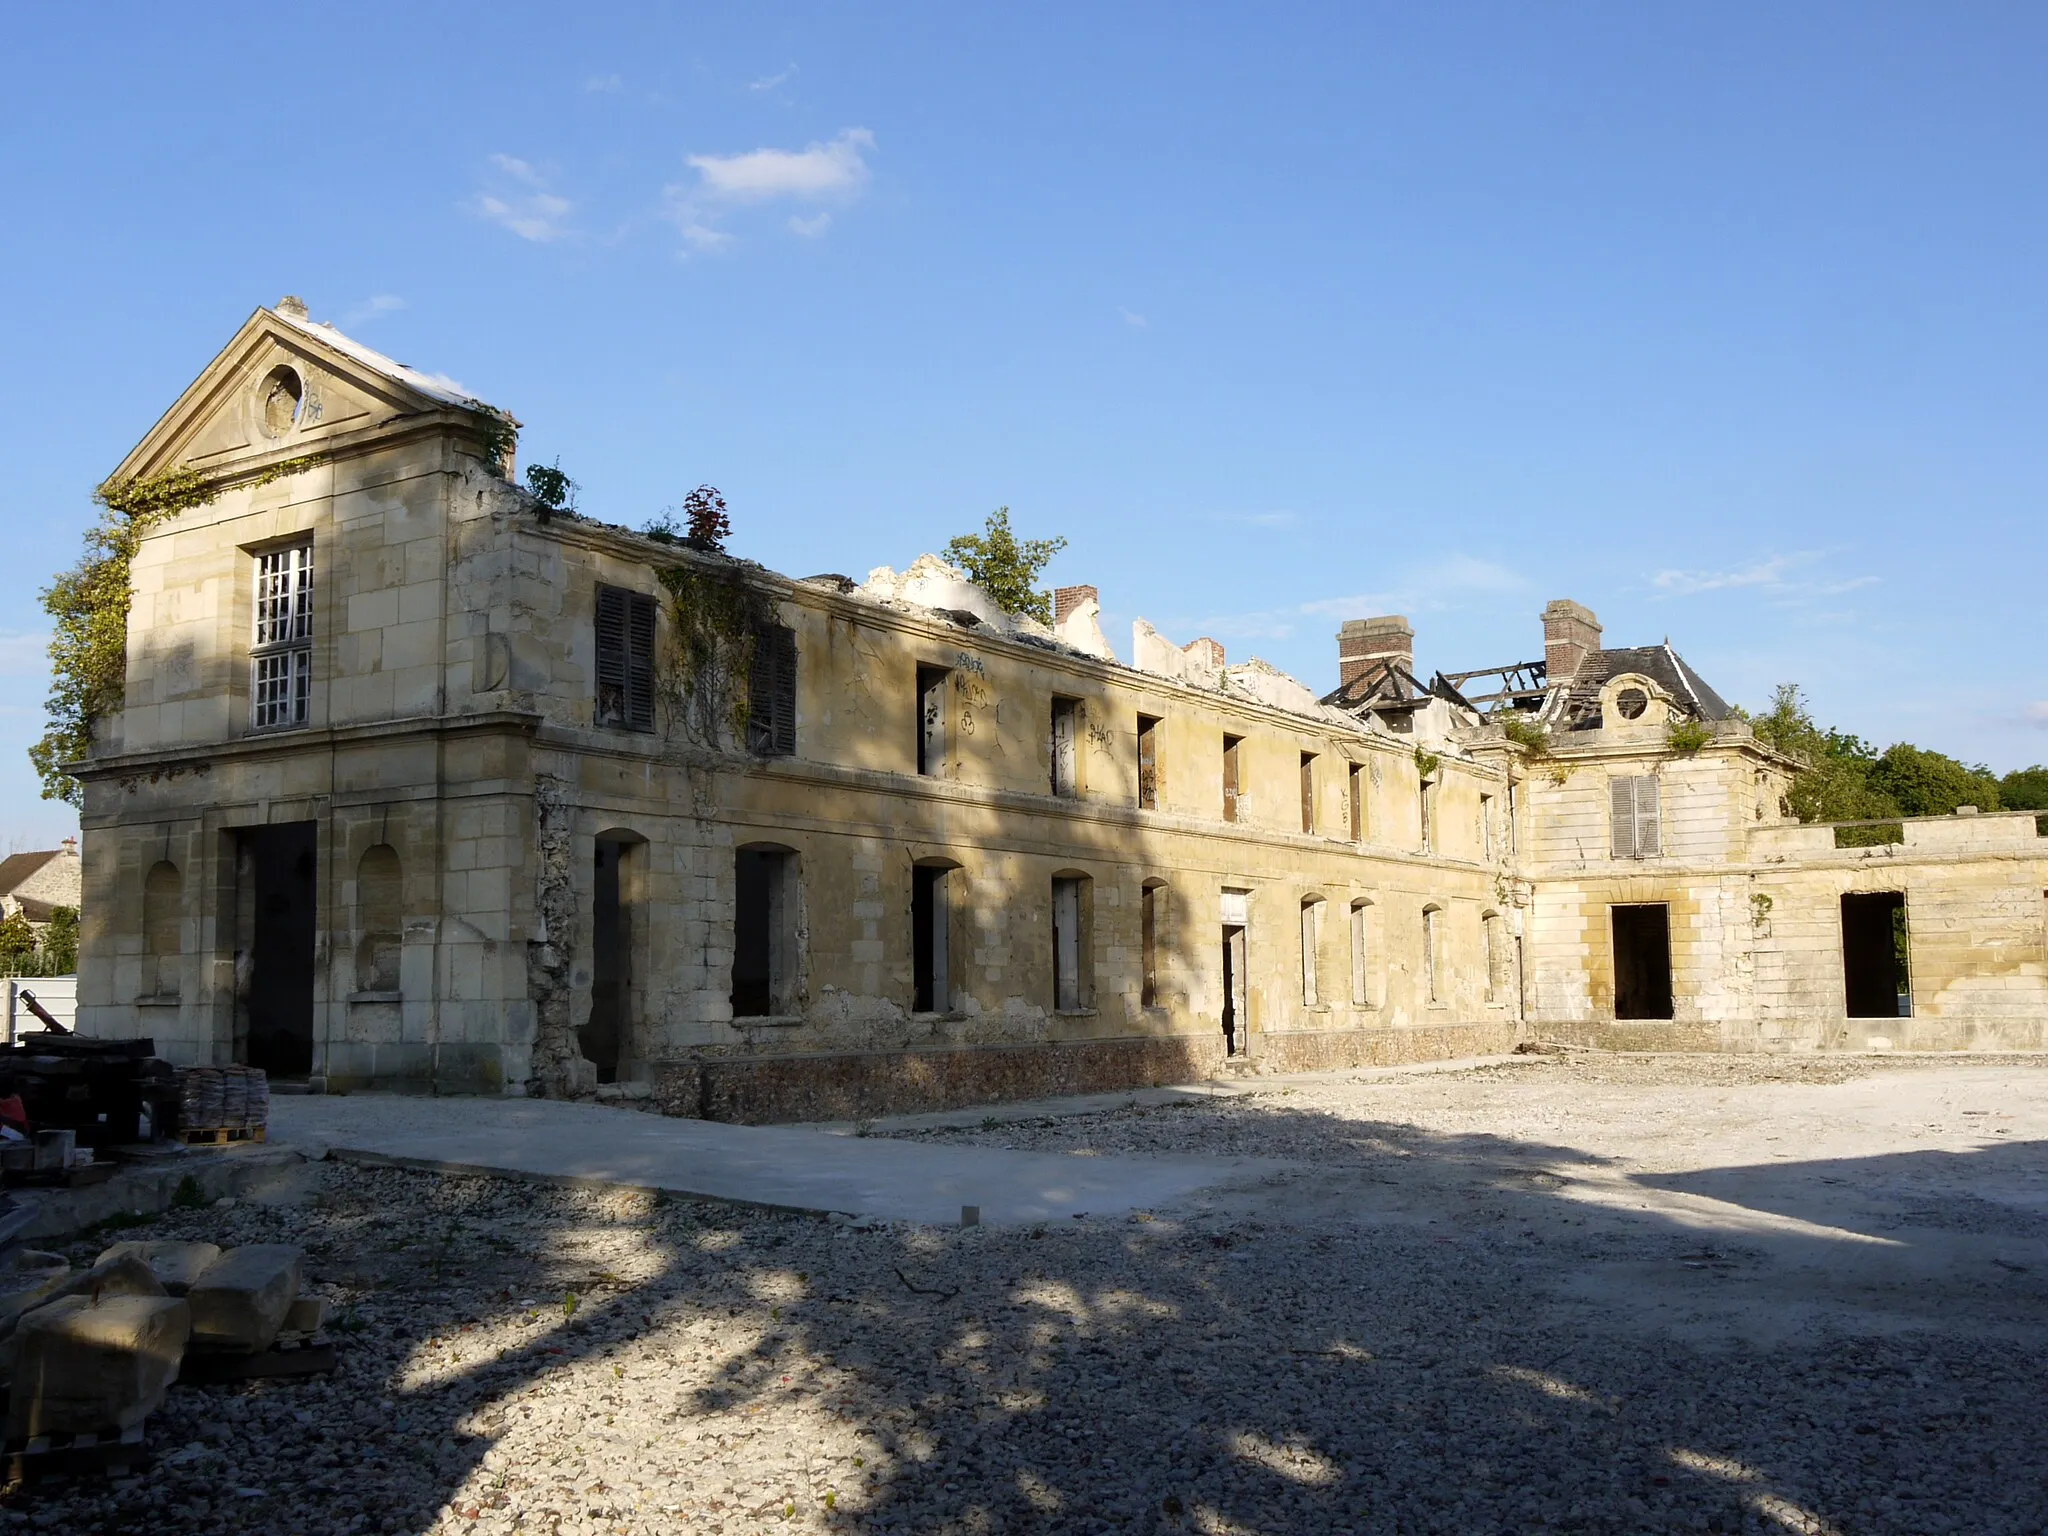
column 287, row 1357
column 115, row 1452
column 221, row 1136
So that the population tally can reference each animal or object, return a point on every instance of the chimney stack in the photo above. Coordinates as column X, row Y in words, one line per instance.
column 1066, row 599
column 1367, row 645
column 1570, row 635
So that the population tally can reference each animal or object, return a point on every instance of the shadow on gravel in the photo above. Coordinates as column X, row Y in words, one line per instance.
column 1214, row 1374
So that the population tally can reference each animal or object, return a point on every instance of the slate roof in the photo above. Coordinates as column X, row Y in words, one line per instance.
column 16, row 868
column 1661, row 664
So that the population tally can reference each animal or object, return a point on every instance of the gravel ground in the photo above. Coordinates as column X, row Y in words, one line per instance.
column 1584, row 1294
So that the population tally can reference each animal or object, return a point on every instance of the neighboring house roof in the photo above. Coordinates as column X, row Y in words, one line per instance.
column 36, row 882
column 1661, row 664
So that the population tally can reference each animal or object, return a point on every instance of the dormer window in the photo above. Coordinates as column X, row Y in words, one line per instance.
column 281, row 652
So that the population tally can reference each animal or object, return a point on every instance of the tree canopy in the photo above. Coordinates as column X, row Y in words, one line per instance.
column 1007, row 567
column 1845, row 779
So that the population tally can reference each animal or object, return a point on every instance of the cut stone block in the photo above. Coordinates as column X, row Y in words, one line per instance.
column 125, row 1274
column 175, row 1264
column 308, row 1315
column 85, row 1369
column 240, row 1302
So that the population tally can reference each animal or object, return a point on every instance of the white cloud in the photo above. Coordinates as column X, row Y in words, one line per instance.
column 604, row 85
column 24, row 655
column 703, row 237
column 1132, row 318
column 526, row 207
column 812, row 227
column 1772, row 577
column 770, row 82
column 376, row 305
column 835, row 170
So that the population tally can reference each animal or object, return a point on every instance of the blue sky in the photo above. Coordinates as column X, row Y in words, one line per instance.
column 1725, row 320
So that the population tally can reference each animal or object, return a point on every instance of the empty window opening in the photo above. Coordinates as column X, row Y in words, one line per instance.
column 1231, row 782
column 1148, row 763
column 930, row 939
column 163, row 895
column 1308, row 791
column 1876, row 978
column 1486, row 827
column 1069, row 943
column 1150, row 900
column 604, row 1038
column 281, row 651
column 931, row 720
column 771, row 693
column 380, row 942
column 1356, row 797
column 1634, row 820
column 1361, row 981
column 764, row 941
column 1433, row 978
column 625, row 659
column 1311, row 952
column 1509, row 828
column 1064, row 748
column 1425, row 811
column 1642, row 961
column 1236, row 1014
column 277, row 909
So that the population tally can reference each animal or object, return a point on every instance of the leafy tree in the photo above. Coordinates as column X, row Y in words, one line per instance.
column 17, row 940
column 60, row 941
column 2024, row 789
column 1835, row 784
column 1923, row 783
column 1006, row 567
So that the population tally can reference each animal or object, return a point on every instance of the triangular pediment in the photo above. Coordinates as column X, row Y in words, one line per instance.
column 284, row 387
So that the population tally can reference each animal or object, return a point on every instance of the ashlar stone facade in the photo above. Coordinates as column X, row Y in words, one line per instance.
column 420, row 786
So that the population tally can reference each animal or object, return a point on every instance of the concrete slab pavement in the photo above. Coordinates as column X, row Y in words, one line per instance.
column 784, row 1167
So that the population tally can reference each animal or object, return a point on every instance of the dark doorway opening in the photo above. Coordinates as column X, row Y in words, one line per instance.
column 1874, row 971
column 611, row 969
column 283, row 872
column 761, row 947
column 929, row 939
column 1236, row 1018
column 1642, row 961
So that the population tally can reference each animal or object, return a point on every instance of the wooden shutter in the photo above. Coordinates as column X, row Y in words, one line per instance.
column 611, row 656
column 1649, row 821
column 640, row 661
column 1621, row 810
column 771, row 693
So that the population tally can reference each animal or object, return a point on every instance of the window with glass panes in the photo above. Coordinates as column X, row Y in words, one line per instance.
column 281, row 652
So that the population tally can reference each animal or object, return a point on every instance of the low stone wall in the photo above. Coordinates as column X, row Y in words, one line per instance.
column 754, row 1090
column 1999, row 1036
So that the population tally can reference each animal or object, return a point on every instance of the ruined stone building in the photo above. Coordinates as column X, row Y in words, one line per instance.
column 418, row 785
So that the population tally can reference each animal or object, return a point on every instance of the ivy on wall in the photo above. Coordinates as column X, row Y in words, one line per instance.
column 89, row 602
column 717, row 614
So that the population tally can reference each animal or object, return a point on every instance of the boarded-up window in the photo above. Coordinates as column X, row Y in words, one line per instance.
column 1308, row 791
column 931, row 720
column 1357, row 801
column 1637, row 832
column 1150, row 900
column 1230, row 779
column 1148, row 763
column 625, row 659
column 1069, row 943
column 379, row 898
column 1311, row 953
column 1065, row 746
column 1432, row 957
column 1361, row 986
column 771, row 693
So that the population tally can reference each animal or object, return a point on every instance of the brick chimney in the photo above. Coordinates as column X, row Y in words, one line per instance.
column 1066, row 599
column 1570, row 635
column 1366, row 645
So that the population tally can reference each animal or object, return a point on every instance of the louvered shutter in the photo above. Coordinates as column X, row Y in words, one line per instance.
column 611, row 656
column 640, row 661
column 1621, row 816
column 1649, row 821
column 771, row 693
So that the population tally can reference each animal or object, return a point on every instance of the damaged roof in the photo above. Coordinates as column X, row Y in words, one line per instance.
column 1661, row 664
